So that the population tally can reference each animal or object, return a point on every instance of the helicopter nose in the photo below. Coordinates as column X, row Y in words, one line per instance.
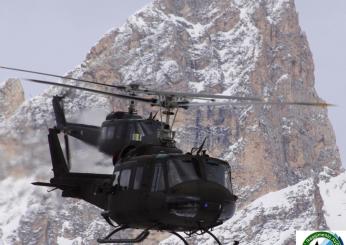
column 202, row 213
column 204, row 202
column 204, row 191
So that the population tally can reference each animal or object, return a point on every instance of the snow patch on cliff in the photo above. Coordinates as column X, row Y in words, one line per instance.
column 333, row 193
column 275, row 8
column 15, row 195
column 66, row 241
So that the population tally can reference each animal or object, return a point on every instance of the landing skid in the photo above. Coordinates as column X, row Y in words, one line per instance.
column 141, row 237
column 209, row 232
column 215, row 238
column 145, row 233
column 105, row 215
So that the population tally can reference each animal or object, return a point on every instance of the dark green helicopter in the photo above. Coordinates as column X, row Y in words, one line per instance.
column 154, row 185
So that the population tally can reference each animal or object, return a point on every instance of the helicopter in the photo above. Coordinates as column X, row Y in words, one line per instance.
column 154, row 185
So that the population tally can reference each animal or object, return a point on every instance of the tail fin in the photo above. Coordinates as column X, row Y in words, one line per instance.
column 60, row 166
column 59, row 112
column 86, row 133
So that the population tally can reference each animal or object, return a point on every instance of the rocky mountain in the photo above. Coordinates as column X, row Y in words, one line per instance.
column 230, row 47
column 11, row 97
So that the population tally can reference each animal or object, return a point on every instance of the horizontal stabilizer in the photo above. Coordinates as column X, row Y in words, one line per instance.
column 43, row 184
column 60, row 186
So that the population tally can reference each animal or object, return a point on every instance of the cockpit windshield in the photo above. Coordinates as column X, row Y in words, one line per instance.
column 180, row 170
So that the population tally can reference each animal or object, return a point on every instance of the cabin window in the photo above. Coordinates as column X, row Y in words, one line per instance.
column 110, row 132
column 158, row 179
column 125, row 177
column 104, row 132
column 138, row 178
column 218, row 173
column 121, row 131
column 116, row 178
column 180, row 170
column 136, row 132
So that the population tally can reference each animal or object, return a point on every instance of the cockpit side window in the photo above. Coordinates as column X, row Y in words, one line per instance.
column 158, row 183
column 125, row 177
column 149, row 128
column 228, row 177
column 218, row 173
column 180, row 170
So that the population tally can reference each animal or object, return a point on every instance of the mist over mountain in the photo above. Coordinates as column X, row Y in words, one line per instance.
column 284, row 158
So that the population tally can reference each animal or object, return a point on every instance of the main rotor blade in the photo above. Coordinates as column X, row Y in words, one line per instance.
column 151, row 100
column 193, row 104
column 58, row 76
column 256, row 100
column 195, row 95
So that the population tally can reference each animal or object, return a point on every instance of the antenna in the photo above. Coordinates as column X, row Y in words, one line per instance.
column 201, row 147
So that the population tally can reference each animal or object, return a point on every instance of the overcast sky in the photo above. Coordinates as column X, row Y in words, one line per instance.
column 54, row 36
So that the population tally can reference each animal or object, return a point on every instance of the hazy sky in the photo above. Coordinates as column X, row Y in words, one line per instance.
column 324, row 22
column 55, row 35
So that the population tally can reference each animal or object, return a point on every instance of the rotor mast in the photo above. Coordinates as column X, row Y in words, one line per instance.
column 132, row 105
column 169, row 103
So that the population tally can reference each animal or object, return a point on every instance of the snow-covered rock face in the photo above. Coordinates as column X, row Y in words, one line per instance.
column 233, row 47
column 202, row 45
column 333, row 192
column 11, row 97
column 31, row 215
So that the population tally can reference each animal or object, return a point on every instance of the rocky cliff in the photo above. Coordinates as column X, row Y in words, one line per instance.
column 11, row 97
column 230, row 47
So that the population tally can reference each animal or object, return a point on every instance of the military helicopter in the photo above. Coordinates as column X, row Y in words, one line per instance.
column 154, row 185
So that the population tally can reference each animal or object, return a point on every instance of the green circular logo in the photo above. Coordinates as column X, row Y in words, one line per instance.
column 322, row 234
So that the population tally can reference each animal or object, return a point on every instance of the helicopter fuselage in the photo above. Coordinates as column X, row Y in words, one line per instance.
column 154, row 185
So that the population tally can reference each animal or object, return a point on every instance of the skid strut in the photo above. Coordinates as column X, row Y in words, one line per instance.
column 215, row 238
column 181, row 238
column 105, row 215
column 141, row 237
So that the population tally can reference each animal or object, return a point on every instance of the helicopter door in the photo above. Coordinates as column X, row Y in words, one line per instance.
column 156, row 202
column 129, row 201
column 140, row 193
column 122, row 202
